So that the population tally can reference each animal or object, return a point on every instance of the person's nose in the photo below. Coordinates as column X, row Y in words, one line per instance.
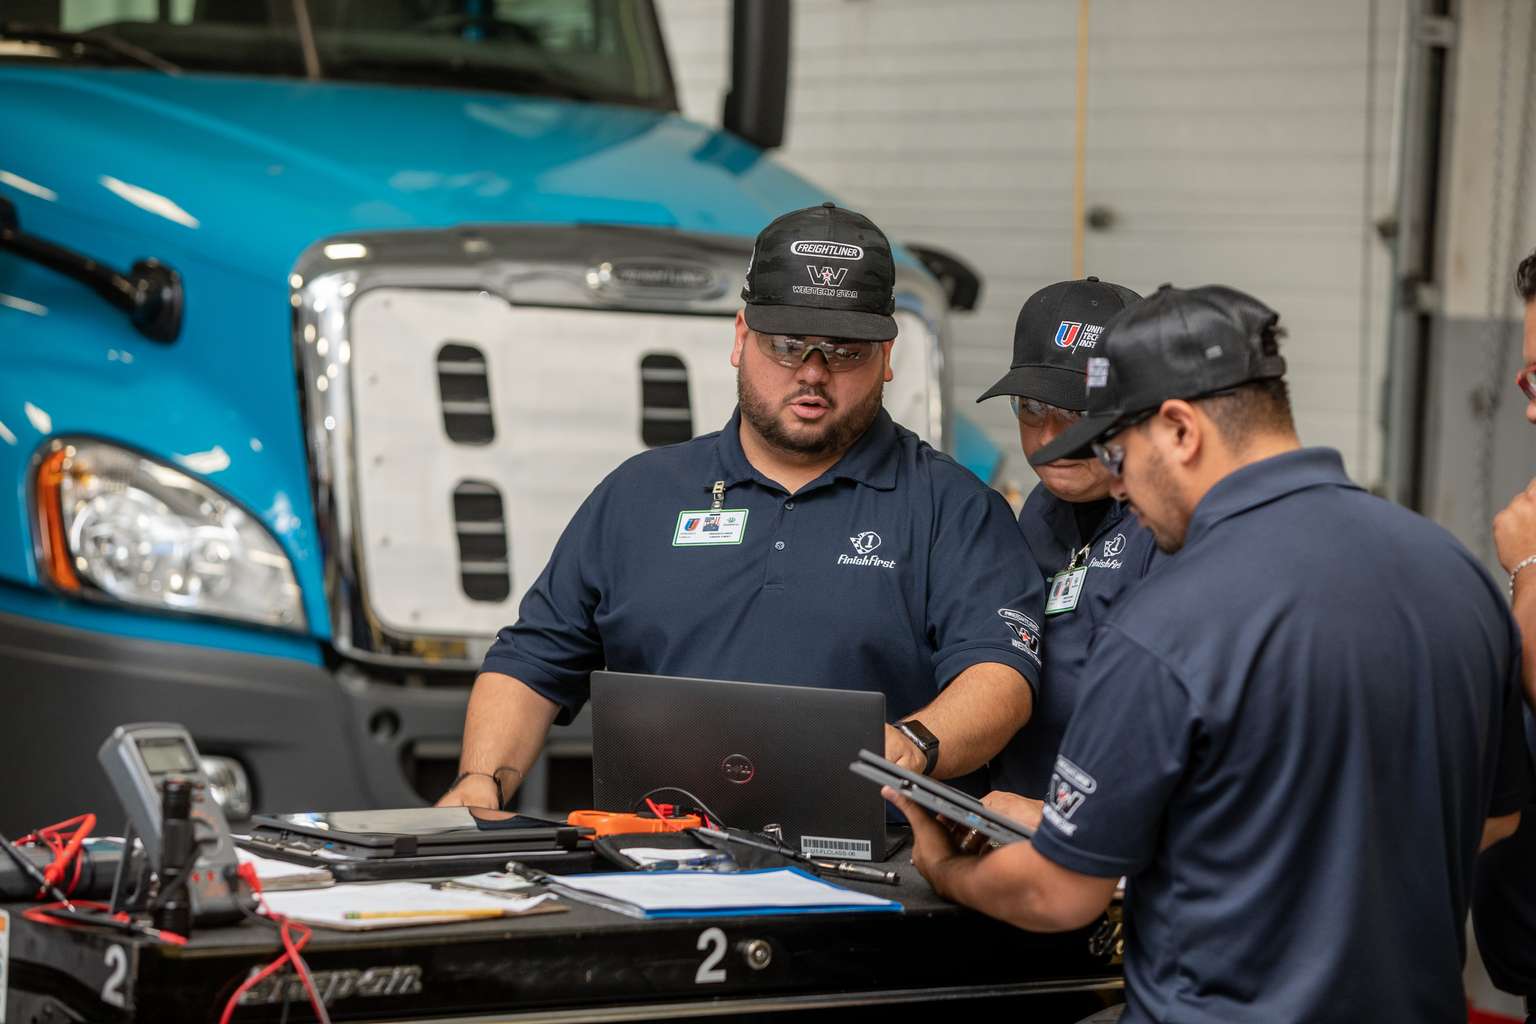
column 1052, row 426
column 813, row 368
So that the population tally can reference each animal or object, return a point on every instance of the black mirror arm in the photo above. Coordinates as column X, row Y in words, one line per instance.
column 150, row 293
column 960, row 280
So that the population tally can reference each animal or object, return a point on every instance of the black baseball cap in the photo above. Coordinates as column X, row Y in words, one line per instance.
column 1175, row 343
column 822, row 271
column 1059, row 327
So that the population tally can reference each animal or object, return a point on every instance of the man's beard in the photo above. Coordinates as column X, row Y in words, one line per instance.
column 1159, row 481
column 837, row 435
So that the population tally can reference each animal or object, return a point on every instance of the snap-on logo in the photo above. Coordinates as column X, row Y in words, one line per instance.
column 827, row 250
column 738, row 768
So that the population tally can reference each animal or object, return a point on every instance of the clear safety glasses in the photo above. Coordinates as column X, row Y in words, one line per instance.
column 1033, row 413
column 788, row 350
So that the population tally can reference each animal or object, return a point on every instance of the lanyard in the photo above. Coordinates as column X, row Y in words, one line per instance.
column 1079, row 558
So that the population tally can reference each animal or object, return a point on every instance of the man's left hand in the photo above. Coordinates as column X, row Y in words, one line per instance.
column 903, row 751
column 1514, row 529
column 933, row 848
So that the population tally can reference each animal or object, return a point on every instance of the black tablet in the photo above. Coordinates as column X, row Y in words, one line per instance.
column 414, row 831
column 961, row 808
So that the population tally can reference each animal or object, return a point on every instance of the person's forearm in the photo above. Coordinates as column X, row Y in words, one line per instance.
column 504, row 727
column 975, row 715
column 1524, row 609
column 1011, row 885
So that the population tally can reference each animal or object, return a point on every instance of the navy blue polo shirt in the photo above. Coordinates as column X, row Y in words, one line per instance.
column 1120, row 552
column 1289, row 739
column 894, row 571
column 1504, row 902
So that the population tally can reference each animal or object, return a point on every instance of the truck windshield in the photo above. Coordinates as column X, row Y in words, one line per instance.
column 602, row 50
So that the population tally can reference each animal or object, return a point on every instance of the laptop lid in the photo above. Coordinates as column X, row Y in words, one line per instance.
column 755, row 753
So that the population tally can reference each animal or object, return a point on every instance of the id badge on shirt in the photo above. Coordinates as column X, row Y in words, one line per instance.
column 710, row 526
column 1066, row 589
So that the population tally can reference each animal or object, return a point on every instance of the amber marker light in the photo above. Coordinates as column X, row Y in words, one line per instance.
column 55, row 560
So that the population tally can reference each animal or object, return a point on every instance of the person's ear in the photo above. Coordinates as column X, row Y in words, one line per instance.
column 1183, row 431
column 742, row 330
column 886, row 349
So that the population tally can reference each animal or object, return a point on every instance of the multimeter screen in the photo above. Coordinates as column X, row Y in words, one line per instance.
column 167, row 755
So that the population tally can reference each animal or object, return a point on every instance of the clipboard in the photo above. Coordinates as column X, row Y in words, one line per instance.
column 931, row 794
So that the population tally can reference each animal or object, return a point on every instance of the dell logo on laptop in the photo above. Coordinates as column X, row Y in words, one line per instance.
column 738, row 768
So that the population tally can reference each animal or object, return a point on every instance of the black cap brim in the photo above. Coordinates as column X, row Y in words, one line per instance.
column 809, row 322
column 1075, row 441
column 1060, row 386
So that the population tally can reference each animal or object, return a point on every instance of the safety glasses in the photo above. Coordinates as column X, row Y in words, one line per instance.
column 1526, row 381
column 1033, row 413
column 788, row 350
column 1110, row 454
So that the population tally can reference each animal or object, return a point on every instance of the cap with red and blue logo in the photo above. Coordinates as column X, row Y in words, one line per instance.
column 1057, row 330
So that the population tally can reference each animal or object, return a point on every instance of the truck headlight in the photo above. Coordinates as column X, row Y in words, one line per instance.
column 113, row 522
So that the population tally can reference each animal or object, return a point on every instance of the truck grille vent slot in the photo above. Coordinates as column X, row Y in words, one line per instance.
column 466, row 394
column 485, row 565
column 666, row 417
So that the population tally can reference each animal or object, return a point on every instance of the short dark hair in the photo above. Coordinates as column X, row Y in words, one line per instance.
column 1258, row 407
column 1525, row 277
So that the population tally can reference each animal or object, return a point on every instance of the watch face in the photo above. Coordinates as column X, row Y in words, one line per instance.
column 919, row 734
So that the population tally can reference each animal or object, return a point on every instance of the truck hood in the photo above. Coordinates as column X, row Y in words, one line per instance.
column 248, row 171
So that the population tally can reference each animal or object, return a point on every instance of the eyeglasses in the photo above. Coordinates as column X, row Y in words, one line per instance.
column 788, row 350
column 1112, row 455
column 1033, row 413
column 1526, row 381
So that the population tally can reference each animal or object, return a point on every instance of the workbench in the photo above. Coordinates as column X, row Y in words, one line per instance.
column 586, row 964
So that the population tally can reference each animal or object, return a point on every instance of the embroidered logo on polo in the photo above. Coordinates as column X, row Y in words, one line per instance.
column 1025, row 630
column 864, row 545
column 827, row 277
column 1112, row 547
column 1070, row 787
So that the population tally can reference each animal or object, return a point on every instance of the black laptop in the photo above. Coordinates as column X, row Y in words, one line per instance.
column 756, row 754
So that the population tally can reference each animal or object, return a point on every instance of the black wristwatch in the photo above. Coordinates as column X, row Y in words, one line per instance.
column 926, row 741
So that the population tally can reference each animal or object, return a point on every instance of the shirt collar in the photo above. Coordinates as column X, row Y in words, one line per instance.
column 1261, row 482
column 1060, row 517
column 871, row 461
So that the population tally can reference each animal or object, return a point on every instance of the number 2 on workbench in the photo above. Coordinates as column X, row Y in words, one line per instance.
column 712, row 939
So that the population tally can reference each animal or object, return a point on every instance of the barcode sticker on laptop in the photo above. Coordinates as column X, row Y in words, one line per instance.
column 823, row 846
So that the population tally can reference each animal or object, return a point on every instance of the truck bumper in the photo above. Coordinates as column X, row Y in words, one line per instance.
column 309, row 737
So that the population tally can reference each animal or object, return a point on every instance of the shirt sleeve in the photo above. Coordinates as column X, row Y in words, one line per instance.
column 1126, row 748
column 1514, row 783
column 554, row 646
column 985, row 597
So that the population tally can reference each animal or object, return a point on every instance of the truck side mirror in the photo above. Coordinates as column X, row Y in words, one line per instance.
column 149, row 293
column 754, row 108
column 960, row 281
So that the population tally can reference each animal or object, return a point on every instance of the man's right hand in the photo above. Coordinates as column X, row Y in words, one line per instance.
column 472, row 791
column 1514, row 529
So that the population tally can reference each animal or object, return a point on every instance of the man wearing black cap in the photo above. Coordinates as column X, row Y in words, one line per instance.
column 1087, row 546
column 811, row 541
column 1294, row 737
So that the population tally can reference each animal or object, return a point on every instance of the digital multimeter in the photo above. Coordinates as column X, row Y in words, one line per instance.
column 139, row 760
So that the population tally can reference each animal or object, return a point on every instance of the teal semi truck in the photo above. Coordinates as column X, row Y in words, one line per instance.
column 317, row 321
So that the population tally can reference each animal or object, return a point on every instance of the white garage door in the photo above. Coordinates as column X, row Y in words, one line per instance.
column 1236, row 141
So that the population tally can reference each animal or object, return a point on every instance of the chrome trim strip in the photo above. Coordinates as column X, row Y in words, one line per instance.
column 567, row 267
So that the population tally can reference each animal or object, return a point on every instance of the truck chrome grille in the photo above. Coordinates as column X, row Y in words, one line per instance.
column 465, row 394
column 666, row 417
column 485, row 572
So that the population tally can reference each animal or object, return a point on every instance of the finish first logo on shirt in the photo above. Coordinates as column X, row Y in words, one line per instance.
column 863, row 545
